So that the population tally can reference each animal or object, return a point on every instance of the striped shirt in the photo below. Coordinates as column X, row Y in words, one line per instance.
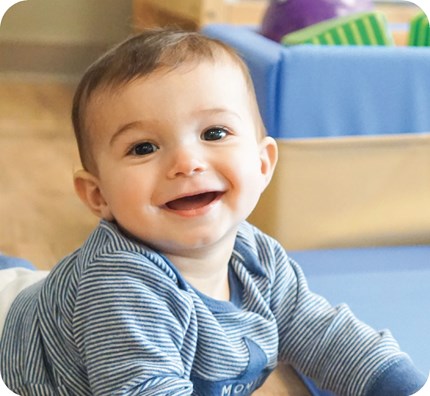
column 117, row 318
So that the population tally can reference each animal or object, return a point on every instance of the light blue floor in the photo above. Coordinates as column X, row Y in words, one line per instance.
column 385, row 287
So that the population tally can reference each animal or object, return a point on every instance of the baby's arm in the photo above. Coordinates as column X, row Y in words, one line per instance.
column 132, row 336
column 331, row 346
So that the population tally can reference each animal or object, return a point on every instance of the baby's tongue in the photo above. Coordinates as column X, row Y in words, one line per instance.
column 192, row 202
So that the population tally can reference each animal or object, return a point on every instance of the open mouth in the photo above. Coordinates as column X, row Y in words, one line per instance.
column 194, row 202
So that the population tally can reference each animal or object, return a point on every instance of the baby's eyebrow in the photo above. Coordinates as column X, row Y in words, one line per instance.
column 124, row 128
column 219, row 110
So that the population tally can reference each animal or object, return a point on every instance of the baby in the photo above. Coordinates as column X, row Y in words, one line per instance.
column 174, row 293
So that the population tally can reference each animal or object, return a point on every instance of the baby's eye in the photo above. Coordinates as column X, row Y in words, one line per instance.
column 216, row 133
column 144, row 148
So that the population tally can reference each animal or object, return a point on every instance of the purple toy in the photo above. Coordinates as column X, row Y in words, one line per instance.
column 286, row 16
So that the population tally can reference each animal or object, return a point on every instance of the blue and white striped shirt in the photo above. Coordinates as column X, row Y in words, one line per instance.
column 117, row 318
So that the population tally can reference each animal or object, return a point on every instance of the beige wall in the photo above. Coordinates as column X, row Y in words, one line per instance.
column 67, row 21
column 60, row 37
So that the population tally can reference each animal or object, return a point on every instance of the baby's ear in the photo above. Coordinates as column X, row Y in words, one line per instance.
column 87, row 186
column 268, row 158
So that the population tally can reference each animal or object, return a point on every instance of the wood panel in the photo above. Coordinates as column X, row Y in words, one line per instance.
column 41, row 218
column 193, row 14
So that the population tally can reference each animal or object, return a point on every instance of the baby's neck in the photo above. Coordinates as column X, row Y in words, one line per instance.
column 207, row 272
column 215, row 286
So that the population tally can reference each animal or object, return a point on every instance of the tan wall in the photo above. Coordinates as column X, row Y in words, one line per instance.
column 67, row 21
column 60, row 37
column 350, row 191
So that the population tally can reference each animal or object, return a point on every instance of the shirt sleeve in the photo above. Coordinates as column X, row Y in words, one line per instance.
column 331, row 346
column 399, row 379
column 131, row 328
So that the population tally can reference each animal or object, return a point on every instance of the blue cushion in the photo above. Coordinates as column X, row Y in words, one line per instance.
column 362, row 90
column 386, row 287
column 7, row 262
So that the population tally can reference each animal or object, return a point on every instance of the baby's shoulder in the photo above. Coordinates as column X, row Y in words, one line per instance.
column 109, row 250
column 109, row 255
column 260, row 250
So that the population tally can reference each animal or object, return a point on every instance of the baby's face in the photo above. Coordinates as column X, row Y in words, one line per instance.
column 179, row 161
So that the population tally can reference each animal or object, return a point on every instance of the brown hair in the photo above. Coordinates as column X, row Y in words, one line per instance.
column 139, row 56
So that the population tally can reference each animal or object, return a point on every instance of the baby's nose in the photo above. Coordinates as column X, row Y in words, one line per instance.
column 186, row 162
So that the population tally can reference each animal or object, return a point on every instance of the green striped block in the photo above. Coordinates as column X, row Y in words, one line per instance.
column 364, row 28
column 419, row 31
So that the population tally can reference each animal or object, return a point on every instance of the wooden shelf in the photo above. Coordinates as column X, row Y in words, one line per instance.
column 193, row 14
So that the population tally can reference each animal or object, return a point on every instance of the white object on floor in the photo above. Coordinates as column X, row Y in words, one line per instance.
column 12, row 282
